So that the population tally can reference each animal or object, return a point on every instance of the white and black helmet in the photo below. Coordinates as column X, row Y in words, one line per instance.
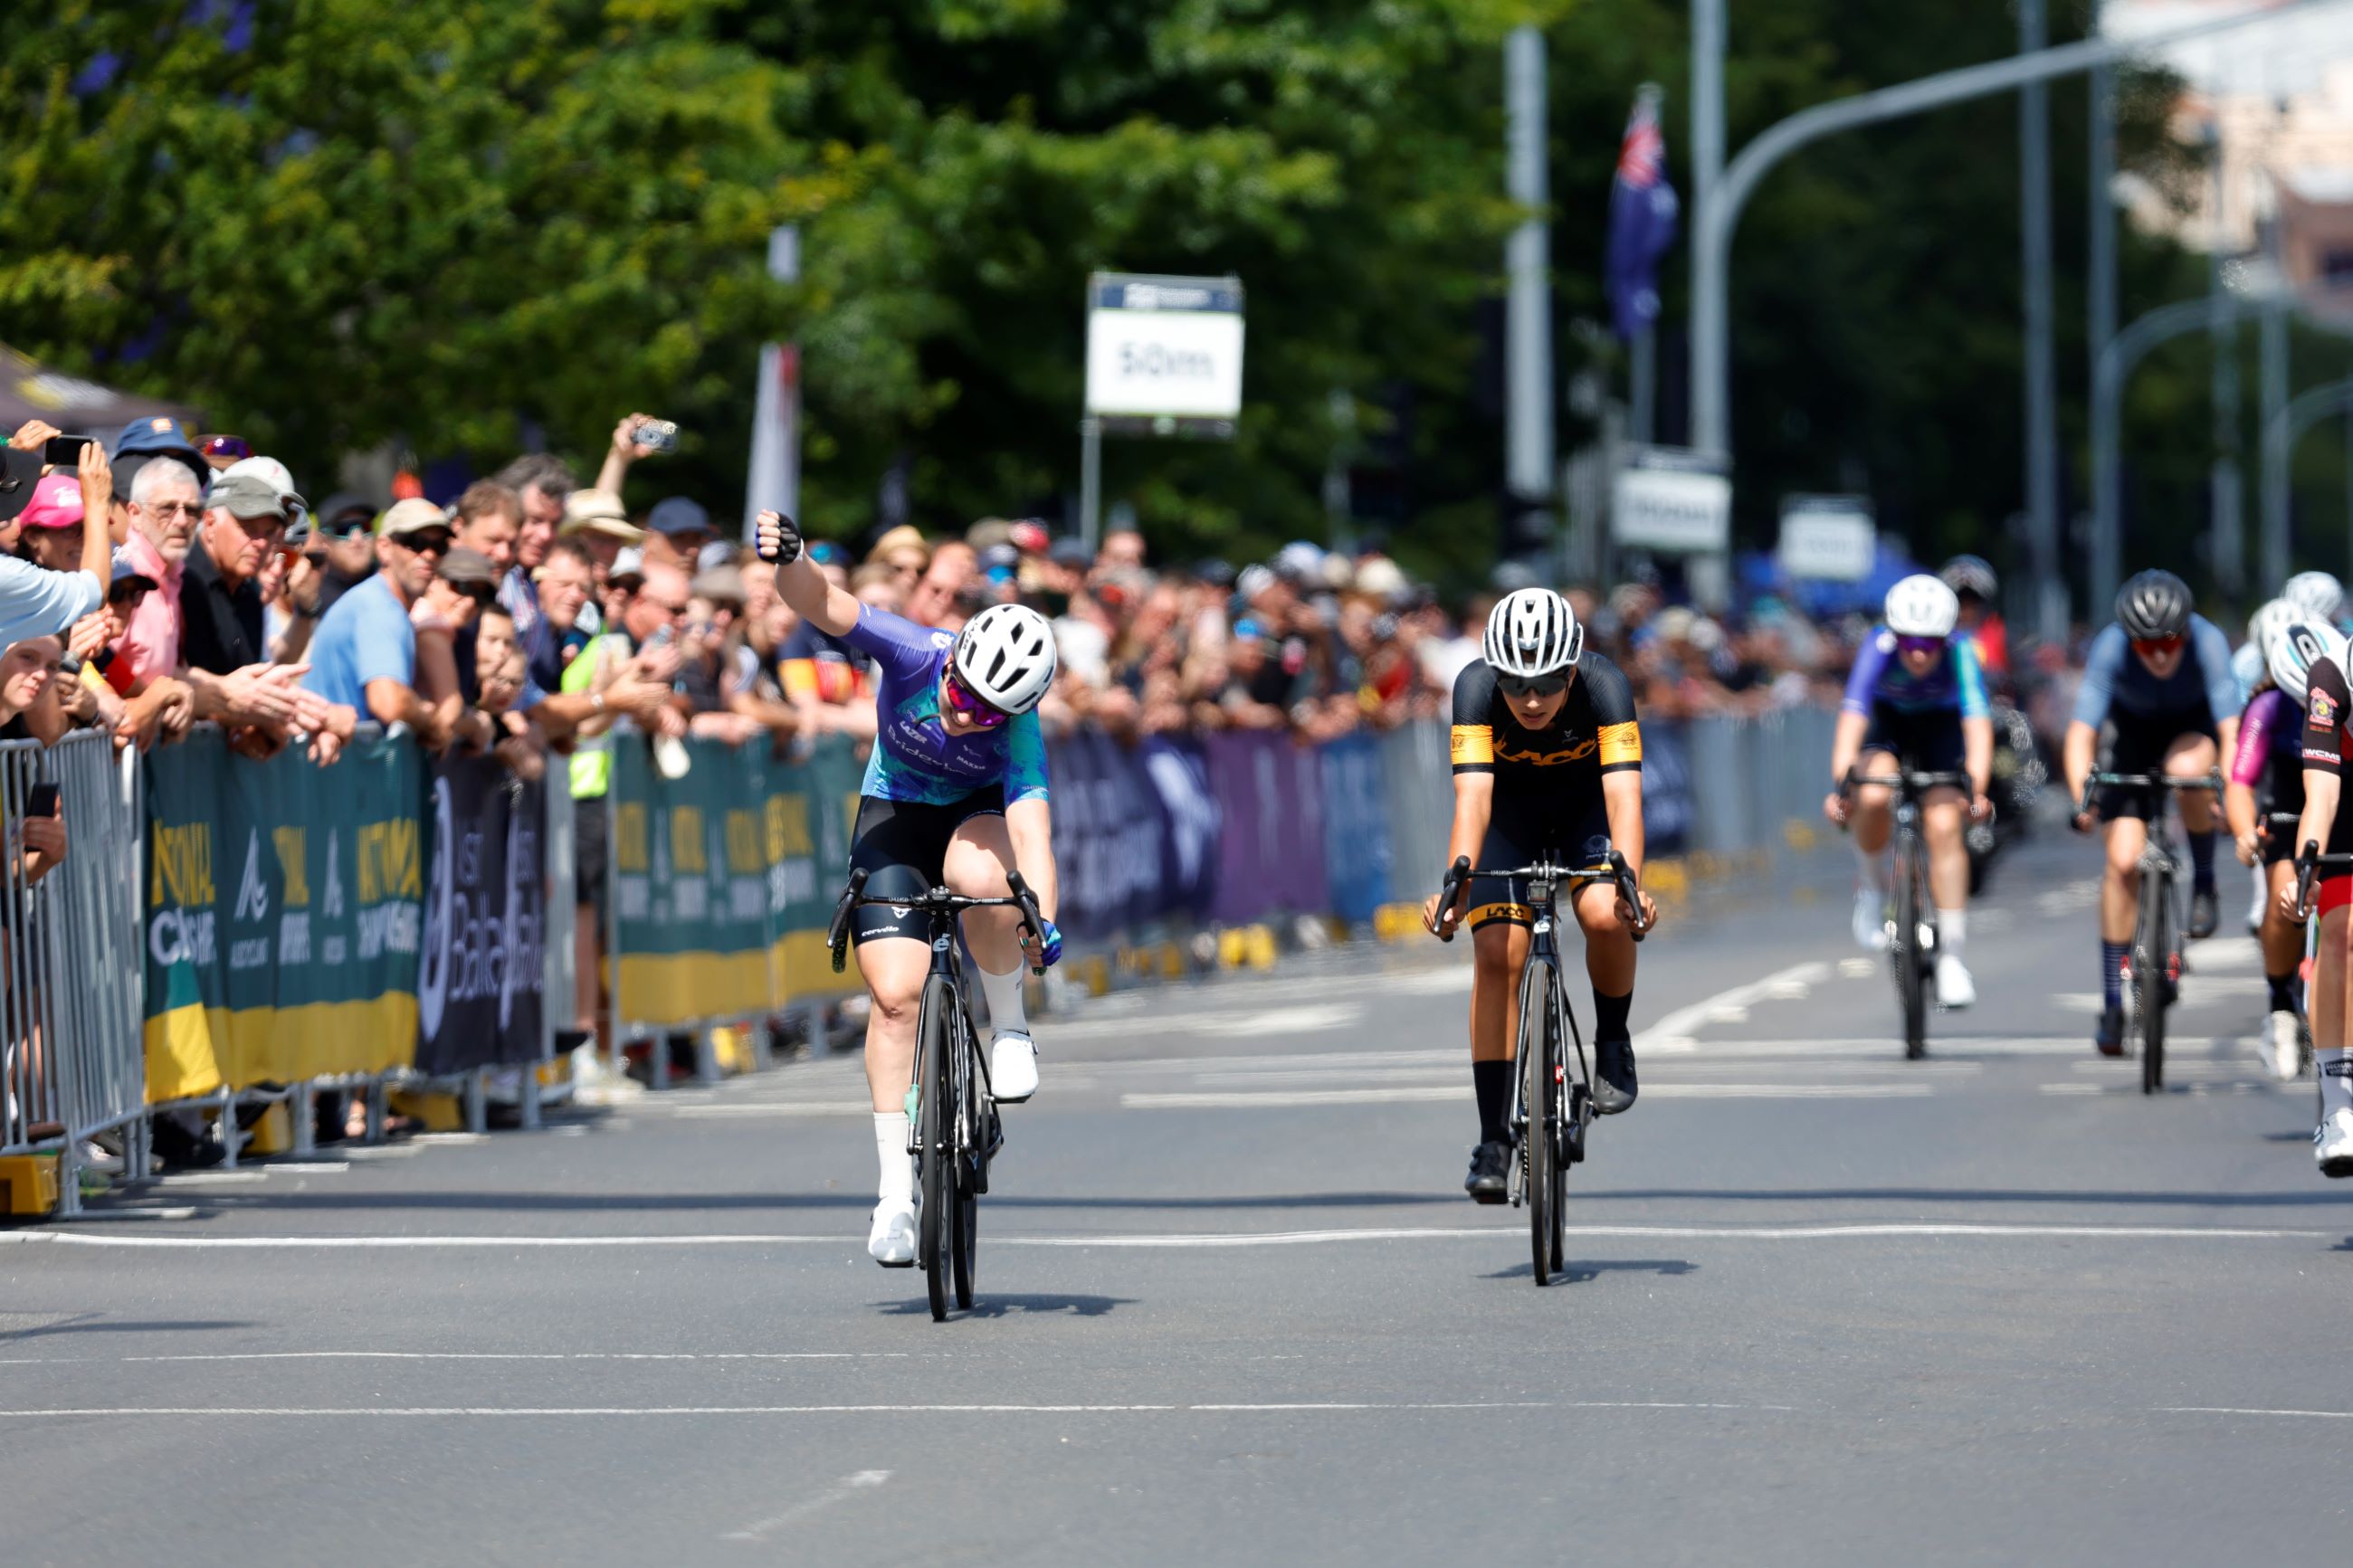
column 2152, row 606
column 2268, row 618
column 1923, row 606
column 1005, row 657
column 2291, row 650
column 2316, row 596
column 1533, row 632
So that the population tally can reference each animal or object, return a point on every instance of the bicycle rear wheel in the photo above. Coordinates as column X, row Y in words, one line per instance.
column 2151, row 951
column 936, row 1072
column 1911, row 961
column 1537, row 1053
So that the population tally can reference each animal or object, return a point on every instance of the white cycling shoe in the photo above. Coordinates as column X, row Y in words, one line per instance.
column 1870, row 920
column 1953, row 987
column 1012, row 1068
column 2284, row 1045
column 891, row 1240
column 2332, row 1144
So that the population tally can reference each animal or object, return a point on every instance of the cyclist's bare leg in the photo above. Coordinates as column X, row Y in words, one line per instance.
column 894, row 969
column 1499, row 951
column 2191, row 756
column 1609, row 944
column 1875, row 816
column 2331, row 997
column 976, row 861
column 2120, row 882
column 2283, row 939
column 1948, row 856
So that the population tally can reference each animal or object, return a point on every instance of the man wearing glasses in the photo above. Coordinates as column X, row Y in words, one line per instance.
column 1916, row 700
column 1547, row 760
column 2161, row 673
column 364, row 655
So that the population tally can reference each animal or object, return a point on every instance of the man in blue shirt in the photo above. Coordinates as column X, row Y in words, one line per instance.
column 2161, row 674
column 364, row 655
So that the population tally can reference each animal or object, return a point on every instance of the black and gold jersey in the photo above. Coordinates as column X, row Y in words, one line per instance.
column 1593, row 733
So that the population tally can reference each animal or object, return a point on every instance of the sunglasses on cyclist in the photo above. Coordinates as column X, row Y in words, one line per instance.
column 1533, row 684
column 1919, row 645
column 2154, row 648
column 970, row 706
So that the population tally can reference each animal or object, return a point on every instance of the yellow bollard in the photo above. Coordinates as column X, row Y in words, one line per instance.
column 272, row 1134
column 28, row 1184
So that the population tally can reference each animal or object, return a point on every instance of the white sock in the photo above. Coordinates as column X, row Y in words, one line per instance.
column 2336, row 1082
column 1953, row 930
column 890, row 1154
column 1875, row 868
column 1007, row 1014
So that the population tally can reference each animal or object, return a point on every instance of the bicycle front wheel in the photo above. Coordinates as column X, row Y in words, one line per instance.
column 1559, row 1118
column 1539, row 1100
column 1911, row 960
column 935, row 1072
column 971, row 1151
column 2152, row 950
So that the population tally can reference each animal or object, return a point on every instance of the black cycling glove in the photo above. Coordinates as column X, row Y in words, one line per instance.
column 787, row 544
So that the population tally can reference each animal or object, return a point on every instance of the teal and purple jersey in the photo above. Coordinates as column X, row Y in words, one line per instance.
column 915, row 757
column 1880, row 680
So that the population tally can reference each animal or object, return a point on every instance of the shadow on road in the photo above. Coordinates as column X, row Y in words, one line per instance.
column 624, row 1203
column 94, row 1323
column 1969, row 1196
column 988, row 1306
column 1578, row 1273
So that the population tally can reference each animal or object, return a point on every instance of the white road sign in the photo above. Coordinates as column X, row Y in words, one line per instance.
column 1829, row 538
column 1670, row 500
column 1164, row 349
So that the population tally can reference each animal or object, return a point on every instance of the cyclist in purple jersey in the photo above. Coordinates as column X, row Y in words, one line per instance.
column 955, row 795
column 2267, row 775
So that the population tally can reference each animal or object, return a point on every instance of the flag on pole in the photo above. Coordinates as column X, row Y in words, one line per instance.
column 1643, row 212
column 773, row 478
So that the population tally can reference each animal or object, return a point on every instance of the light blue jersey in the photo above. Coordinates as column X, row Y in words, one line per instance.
column 915, row 757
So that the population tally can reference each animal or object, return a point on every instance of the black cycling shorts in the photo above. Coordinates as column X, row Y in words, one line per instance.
column 591, row 841
column 903, row 845
column 2140, row 746
column 1574, row 829
column 1927, row 742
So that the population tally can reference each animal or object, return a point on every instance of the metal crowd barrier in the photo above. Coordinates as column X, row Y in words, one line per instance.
column 72, row 1051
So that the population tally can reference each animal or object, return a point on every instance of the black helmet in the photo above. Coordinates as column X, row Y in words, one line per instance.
column 1971, row 574
column 2154, row 605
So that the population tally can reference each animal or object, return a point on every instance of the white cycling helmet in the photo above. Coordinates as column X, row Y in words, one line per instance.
column 1533, row 632
column 1005, row 657
column 2316, row 595
column 2268, row 618
column 2291, row 650
column 1923, row 606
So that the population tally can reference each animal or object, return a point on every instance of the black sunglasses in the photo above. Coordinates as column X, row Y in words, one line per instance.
column 1533, row 684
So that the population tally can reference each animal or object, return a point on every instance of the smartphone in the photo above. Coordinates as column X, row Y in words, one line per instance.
column 41, row 800
column 64, row 451
column 658, row 434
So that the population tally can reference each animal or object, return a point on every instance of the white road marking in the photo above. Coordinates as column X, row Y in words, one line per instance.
column 1286, row 1021
column 1504, row 1231
column 2225, row 1410
column 1858, row 968
column 2071, row 1089
column 841, row 1490
column 1304, row 1407
column 212, row 1178
column 775, row 1108
column 1278, row 1099
column 307, row 1167
column 1683, row 1023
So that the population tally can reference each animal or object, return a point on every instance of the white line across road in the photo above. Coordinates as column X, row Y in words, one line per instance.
column 2225, row 1410
column 1926, row 1229
column 1301, row 1408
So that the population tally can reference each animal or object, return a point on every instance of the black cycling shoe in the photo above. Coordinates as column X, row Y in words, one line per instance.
column 2201, row 913
column 1613, row 1075
column 2110, row 1037
column 1488, row 1163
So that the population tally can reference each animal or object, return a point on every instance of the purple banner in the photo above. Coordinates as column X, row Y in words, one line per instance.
column 1270, row 801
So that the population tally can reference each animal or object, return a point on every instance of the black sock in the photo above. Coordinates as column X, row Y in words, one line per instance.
column 1492, row 1083
column 2201, row 861
column 1609, row 1015
column 2287, row 995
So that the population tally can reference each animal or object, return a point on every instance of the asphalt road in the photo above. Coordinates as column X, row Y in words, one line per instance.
column 1826, row 1306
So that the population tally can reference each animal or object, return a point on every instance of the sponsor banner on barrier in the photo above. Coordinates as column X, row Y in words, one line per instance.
column 283, row 914
column 1271, row 853
column 1135, row 831
column 1357, row 850
column 723, row 879
column 481, row 980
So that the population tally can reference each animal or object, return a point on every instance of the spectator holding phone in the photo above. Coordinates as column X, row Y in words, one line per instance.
column 38, row 602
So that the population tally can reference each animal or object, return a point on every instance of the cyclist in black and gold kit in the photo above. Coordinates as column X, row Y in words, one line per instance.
column 1548, row 758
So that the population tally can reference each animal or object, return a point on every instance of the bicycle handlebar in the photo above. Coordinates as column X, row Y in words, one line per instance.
column 938, row 901
column 2174, row 782
column 2309, row 864
column 1909, row 780
column 1612, row 869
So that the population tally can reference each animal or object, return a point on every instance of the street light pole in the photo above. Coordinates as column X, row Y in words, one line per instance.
column 1710, row 420
column 2228, row 532
column 1528, row 465
column 2283, row 429
column 2042, row 371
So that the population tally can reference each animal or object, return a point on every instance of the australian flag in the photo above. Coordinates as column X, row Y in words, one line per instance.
column 1642, row 211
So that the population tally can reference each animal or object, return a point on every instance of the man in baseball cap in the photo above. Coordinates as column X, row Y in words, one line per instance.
column 678, row 528
column 144, row 439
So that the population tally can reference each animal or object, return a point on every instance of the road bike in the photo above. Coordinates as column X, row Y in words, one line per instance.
column 1550, row 1109
column 1911, row 909
column 953, row 1128
column 2153, row 963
